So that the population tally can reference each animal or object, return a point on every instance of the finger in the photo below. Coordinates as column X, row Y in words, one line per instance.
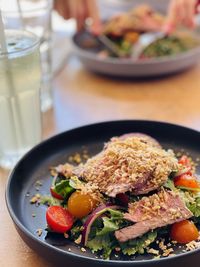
column 182, row 12
column 81, row 16
column 190, row 11
column 171, row 21
column 73, row 9
column 93, row 12
column 62, row 8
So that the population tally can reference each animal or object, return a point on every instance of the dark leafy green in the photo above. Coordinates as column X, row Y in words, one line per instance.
column 138, row 245
column 64, row 189
column 170, row 45
column 169, row 184
column 50, row 201
column 194, row 206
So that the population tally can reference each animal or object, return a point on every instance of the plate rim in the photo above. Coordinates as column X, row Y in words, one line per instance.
column 28, row 233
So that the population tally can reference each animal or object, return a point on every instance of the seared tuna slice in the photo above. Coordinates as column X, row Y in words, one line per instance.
column 145, row 137
column 133, row 162
column 158, row 210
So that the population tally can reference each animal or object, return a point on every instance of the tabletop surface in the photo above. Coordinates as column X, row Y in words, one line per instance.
column 81, row 98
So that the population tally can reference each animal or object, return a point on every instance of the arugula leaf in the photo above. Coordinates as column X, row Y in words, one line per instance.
column 105, row 243
column 192, row 201
column 194, row 206
column 108, row 226
column 102, row 233
column 63, row 188
column 115, row 214
column 138, row 245
column 50, row 201
column 169, row 184
column 102, row 236
column 75, row 182
column 76, row 230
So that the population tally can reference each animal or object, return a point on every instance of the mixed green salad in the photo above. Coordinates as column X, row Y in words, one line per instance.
column 154, row 210
column 169, row 45
column 166, row 46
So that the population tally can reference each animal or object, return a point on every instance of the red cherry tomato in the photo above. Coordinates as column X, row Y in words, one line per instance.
column 56, row 195
column 185, row 161
column 59, row 219
column 184, row 232
column 186, row 180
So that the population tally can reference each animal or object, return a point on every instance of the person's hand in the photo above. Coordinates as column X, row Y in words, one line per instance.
column 181, row 12
column 80, row 10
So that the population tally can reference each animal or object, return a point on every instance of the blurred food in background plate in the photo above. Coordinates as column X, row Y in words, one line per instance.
column 170, row 45
column 139, row 29
column 125, row 30
column 140, row 19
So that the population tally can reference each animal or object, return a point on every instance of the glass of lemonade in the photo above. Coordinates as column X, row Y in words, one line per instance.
column 34, row 16
column 20, row 78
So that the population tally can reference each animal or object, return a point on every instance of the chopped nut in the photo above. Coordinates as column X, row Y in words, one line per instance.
column 78, row 240
column 39, row 232
column 35, row 199
column 192, row 245
column 66, row 235
column 162, row 245
column 153, row 251
column 76, row 158
column 38, row 183
column 167, row 252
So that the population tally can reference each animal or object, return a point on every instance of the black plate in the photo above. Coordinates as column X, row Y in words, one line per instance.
column 35, row 166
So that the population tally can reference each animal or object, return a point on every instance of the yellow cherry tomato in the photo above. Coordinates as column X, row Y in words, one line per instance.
column 80, row 204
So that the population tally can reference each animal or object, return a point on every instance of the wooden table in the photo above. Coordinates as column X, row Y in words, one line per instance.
column 82, row 98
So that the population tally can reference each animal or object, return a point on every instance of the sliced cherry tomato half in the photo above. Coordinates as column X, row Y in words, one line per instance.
column 59, row 219
column 184, row 232
column 186, row 180
column 56, row 195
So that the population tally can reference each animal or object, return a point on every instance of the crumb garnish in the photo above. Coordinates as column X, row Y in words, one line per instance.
column 66, row 235
column 78, row 240
column 38, row 183
column 153, row 251
column 35, row 199
column 39, row 232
